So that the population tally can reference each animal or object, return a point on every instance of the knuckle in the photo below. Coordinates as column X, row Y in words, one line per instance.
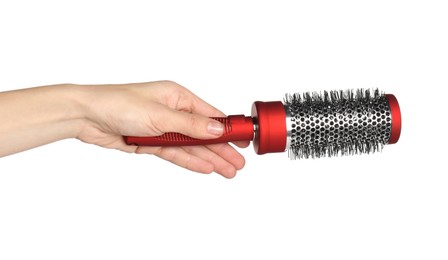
column 158, row 126
column 170, row 83
column 193, row 123
column 167, row 153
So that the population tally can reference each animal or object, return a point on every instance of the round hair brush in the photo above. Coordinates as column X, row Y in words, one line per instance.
column 307, row 125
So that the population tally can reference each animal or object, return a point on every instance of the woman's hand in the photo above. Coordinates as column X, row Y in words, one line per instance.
column 103, row 114
column 152, row 109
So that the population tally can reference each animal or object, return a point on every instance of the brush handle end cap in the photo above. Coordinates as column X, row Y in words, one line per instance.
column 396, row 118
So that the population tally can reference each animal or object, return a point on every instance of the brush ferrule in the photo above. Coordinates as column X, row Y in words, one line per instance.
column 289, row 127
column 271, row 129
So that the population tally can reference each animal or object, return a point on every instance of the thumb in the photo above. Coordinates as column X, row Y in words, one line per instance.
column 193, row 125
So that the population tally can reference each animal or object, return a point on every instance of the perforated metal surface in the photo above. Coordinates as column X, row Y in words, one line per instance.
column 337, row 123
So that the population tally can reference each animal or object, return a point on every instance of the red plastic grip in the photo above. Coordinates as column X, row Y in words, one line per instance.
column 236, row 128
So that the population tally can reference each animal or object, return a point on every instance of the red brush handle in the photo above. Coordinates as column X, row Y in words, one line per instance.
column 236, row 128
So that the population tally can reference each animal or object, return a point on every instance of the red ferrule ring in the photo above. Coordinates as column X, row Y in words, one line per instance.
column 271, row 133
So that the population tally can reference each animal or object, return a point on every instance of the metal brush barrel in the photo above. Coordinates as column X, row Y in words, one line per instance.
column 337, row 123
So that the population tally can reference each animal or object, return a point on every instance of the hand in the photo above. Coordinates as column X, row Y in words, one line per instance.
column 103, row 114
column 151, row 109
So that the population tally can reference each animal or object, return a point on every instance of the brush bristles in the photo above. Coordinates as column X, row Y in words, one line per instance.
column 337, row 123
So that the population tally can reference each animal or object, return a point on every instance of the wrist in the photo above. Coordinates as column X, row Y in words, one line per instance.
column 37, row 116
column 74, row 107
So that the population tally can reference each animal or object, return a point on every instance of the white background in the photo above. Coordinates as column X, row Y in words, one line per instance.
column 70, row 200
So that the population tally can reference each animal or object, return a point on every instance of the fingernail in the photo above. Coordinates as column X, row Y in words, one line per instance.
column 215, row 128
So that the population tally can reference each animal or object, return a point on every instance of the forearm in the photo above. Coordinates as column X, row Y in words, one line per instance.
column 37, row 116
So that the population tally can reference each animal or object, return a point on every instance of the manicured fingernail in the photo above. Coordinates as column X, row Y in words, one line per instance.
column 215, row 128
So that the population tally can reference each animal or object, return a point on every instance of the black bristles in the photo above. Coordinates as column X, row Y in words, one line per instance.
column 337, row 123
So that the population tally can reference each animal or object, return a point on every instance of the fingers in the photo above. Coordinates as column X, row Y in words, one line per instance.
column 242, row 144
column 229, row 154
column 180, row 157
column 194, row 125
column 226, row 168
column 188, row 101
column 220, row 158
column 199, row 106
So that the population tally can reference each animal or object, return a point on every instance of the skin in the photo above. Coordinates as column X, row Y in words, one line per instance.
column 102, row 114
